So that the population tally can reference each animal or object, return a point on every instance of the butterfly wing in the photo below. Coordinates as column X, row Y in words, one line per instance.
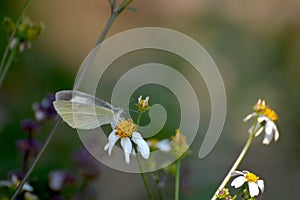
column 83, row 111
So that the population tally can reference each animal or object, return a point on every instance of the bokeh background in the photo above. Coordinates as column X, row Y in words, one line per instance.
column 255, row 45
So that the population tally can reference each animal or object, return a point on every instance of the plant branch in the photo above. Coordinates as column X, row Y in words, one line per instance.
column 8, row 63
column 12, row 35
column 101, row 38
column 237, row 162
column 20, row 186
column 177, row 180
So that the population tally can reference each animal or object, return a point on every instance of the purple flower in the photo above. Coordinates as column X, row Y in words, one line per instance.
column 58, row 178
column 45, row 110
column 30, row 125
column 28, row 145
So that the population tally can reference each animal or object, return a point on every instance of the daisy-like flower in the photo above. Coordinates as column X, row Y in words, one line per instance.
column 254, row 183
column 126, row 131
column 266, row 119
column 143, row 104
column 14, row 182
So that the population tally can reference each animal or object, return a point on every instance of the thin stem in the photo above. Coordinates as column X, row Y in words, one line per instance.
column 139, row 163
column 101, row 38
column 114, row 13
column 8, row 62
column 238, row 193
column 237, row 162
column 177, row 180
column 58, row 120
column 24, row 8
column 143, row 175
column 139, row 118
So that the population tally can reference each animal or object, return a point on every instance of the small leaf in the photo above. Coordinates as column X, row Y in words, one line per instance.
column 132, row 9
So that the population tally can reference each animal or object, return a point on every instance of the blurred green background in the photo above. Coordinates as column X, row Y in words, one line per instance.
column 255, row 45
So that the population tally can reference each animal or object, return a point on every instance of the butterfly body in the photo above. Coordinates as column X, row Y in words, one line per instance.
column 84, row 111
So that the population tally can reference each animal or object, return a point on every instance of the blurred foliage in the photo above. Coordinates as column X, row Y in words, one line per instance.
column 258, row 58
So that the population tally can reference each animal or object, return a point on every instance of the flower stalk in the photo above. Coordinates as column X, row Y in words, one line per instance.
column 3, row 60
column 177, row 179
column 139, row 163
column 238, row 161
column 59, row 120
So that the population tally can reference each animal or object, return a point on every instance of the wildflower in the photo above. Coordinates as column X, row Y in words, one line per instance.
column 179, row 145
column 224, row 194
column 26, row 32
column 58, row 178
column 266, row 118
column 126, row 131
column 14, row 182
column 162, row 145
column 45, row 109
column 143, row 104
column 28, row 145
column 30, row 126
column 254, row 183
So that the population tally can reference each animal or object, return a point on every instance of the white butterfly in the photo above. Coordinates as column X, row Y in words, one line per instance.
column 84, row 111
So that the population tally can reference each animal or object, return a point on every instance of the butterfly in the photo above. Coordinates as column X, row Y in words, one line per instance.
column 84, row 111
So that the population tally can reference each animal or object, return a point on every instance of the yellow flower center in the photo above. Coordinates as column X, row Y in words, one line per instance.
column 125, row 128
column 270, row 114
column 251, row 177
column 141, row 103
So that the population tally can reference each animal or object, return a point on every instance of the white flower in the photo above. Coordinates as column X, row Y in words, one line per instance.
column 125, row 130
column 254, row 183
column 265, row 121
column 143, row 104
column 14, row 182
column 162, row 145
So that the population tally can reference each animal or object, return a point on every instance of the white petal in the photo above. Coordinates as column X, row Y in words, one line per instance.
column 236, row 173
column 261, row 185
column 112, row 139
column 250, row 129
column 269, row 127
column 253, row 189
column 164, row 145
column 238, row 181
column 5, row 183
column 27, row 187
column 259, row 131
column 145, row 101
column 262, row 118
column 141, row 144
column 106, row 146
column 14, row 179
column 127, row 146
column 276, row 132
column 249, row 116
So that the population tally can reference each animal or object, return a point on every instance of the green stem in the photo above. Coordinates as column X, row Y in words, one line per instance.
column 177, row 179
column 8, row 62
column 12, row 35
column 139, row 163
column 143, row 175
column 237, row 162
column 238, row 193
column 101, row 38
column 139, row 118
column 36, row 159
